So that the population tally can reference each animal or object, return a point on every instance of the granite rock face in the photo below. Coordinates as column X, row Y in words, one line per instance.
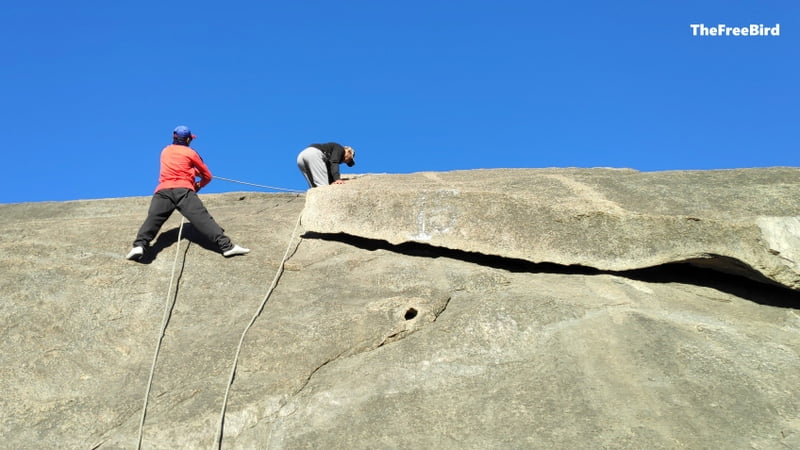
column 741, row 221
column 405, row 318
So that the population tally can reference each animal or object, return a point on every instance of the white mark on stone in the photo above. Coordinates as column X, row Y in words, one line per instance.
column 421, row 235
column 435, row 217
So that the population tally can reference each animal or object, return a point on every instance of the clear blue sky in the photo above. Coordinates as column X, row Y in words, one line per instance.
column 91, row 90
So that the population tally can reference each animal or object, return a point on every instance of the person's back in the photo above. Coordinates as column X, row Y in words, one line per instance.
column 180, row 165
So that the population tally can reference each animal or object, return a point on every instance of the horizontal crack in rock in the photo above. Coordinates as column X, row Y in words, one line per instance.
column 714, row 271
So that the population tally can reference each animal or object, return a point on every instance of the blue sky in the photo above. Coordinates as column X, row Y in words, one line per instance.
column 91, row 90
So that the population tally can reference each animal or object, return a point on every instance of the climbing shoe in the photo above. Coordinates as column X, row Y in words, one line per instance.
column 135, row 253
column 236, row 250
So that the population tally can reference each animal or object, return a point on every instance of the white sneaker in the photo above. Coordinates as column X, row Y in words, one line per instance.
column 135, row 253
column 236, row 250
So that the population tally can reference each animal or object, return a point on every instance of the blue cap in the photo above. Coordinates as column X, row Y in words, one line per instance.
column 183, row 132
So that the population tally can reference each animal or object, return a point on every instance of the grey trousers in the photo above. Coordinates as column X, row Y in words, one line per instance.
column 312, row 165
column 186, row 201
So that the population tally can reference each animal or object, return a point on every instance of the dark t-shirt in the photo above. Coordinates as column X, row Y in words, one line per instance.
column 334, row 155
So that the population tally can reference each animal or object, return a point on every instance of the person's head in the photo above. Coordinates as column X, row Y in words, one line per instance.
column 182, row 135
column 349, row 156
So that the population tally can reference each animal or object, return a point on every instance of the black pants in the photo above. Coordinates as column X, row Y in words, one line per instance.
column 186, row 201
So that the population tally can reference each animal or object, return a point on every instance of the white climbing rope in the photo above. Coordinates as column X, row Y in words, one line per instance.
column 218, row 438
column 258, row 185
column 170, row 304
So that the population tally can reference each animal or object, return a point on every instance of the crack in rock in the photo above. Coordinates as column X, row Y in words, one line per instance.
column 710, row 270
column 415, row 316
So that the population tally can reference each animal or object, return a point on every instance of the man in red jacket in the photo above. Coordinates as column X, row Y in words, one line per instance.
column 177, row 189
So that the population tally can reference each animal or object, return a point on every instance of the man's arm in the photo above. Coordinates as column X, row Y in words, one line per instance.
column 201, row 170
column 337, row 156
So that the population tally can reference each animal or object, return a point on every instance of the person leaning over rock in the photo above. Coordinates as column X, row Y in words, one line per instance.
column 319, row 163
column 177, row 186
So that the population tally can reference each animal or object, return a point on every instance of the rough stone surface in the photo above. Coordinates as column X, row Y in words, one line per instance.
column 370, row 342
column 742, row 221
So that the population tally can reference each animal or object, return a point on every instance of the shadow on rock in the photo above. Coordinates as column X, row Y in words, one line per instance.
column 167, row 238
column 764, row 292
column 744, row 282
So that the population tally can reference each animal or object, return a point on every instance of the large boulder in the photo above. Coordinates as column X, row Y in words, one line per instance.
column 369, row 341
column 743, row 221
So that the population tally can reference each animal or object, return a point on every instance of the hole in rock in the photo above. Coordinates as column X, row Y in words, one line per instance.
column 410, row 314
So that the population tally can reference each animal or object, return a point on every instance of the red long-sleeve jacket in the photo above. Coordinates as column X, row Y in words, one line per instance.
column 180, row 167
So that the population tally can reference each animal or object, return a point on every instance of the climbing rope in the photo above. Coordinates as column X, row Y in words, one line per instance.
column 258, row 185
column 278, row 274
column 170, row 304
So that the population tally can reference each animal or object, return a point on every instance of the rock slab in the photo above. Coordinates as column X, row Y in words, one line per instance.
column 369, row 344
column 744, row 221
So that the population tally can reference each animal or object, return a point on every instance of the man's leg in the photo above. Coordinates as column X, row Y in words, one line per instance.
column 318, row 168
column 161, row 207
column 301, row 164
column 193, row 209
